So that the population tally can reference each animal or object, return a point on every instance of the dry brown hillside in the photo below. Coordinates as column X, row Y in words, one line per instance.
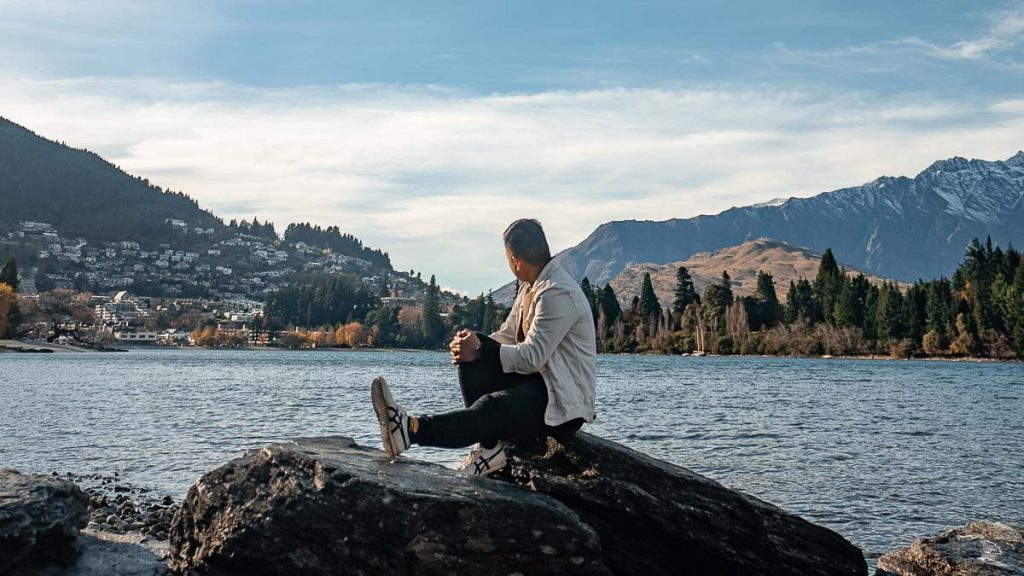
column 783, row 261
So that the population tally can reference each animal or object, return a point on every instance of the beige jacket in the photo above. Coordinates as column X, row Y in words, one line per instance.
column 560, row 344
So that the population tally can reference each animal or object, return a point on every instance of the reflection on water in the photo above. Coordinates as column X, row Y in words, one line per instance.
column 879, row 451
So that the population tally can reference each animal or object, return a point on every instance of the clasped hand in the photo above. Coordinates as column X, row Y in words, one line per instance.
column 464, row 346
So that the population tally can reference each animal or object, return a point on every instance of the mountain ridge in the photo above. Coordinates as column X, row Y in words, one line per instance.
column 894, row 226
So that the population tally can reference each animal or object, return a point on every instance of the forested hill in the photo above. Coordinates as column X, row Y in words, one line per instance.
column 81, row 194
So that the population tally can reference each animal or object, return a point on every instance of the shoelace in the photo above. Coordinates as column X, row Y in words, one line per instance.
column 484, row 463
column 398, row 420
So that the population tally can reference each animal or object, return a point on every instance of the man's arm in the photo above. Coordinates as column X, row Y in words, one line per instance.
column 553, row 317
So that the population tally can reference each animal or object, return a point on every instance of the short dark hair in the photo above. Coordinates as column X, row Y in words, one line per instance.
column 525, row 239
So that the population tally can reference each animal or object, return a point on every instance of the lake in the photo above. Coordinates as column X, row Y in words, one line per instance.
column 880, row 451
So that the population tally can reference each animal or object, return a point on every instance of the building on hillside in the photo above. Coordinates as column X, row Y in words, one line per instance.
column 135, row 337
column 399, row 301
column 122, row 310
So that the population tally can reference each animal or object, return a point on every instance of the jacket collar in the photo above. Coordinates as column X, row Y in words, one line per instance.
column 546, row 272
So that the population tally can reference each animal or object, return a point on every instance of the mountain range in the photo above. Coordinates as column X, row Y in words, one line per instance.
column 893, row 227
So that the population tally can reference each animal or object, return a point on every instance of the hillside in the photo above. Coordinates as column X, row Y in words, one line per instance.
column 83, row 195
column 895, row 227
column 783, row 261
column 74, row 220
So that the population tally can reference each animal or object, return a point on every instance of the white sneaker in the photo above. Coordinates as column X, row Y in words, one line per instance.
column 394, row 422
column 484, row 461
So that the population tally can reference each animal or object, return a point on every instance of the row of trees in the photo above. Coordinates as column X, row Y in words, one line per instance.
column 978, row 312
column 51, row 315
column 336, row 312
column 334, row 239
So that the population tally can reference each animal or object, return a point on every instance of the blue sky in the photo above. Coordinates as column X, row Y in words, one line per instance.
column 424, row 127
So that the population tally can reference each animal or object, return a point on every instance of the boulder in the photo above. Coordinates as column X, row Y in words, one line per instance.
column 40, row 518
column 327, row 506
column 586, row 506
column 653, row 517
column 978, row 549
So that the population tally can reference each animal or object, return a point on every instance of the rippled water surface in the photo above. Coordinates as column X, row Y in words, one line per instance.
column 879, row 451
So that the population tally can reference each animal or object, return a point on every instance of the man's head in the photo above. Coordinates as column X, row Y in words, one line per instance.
column 526, row 248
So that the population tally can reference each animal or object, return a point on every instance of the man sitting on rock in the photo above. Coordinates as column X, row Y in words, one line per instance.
column 534, row 377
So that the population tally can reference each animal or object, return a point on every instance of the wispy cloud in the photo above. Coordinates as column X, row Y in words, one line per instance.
column 433, row 174
column 1003, row 33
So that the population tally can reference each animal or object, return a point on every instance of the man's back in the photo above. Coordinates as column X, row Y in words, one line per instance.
column 560, row 344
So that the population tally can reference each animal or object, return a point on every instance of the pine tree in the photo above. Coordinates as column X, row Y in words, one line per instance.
column 648, row 307
column 9, row 274
column 430, row 322
column 727, row 288
column 610, row 305
column 800, row 303
column 827, row 285
column 764, row 309
column 592, row 299
column 714, row 302
column 890, row 314
column 685, row 293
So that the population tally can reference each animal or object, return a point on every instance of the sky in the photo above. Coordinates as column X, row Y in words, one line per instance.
column 424, row 128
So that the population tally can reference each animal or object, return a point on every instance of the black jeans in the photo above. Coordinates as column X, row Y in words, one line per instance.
column 499, row 406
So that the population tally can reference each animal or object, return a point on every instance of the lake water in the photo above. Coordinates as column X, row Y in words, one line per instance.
column 879, row 451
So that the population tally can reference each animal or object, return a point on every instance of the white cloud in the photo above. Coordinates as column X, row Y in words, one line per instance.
column 1003, row 33
column 433, row 175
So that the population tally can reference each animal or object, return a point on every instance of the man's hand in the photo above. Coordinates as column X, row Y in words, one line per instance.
column 464, row 347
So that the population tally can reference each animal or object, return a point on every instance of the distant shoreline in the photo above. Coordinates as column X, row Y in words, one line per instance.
column 17, row 346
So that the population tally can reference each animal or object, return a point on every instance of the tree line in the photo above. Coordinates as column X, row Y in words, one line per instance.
column 338, row 312
column 979, row 312
column 334, row 239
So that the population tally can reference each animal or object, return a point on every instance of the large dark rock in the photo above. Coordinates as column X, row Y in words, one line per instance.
column 656, row 518
column 978, row 549
column 328, row 506
column 40, row 518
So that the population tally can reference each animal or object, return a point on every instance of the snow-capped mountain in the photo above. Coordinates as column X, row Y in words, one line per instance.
column 904, row 228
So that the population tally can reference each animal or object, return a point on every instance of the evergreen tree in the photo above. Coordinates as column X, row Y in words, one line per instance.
column 488, row 325
column 430, row 322
column 915, row 311
column 727, row 288
column 685, row 293
column 939, row 310
column 592, row 298
column 890, row 324
column 844, row 312
column 828, row 285
column 714, row 302
column 648, row 306
column 610, row 305
column 763, row 307
column 800, row 302
column 9, row 274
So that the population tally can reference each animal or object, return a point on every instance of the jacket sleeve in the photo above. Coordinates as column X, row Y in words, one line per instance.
column 554, row 315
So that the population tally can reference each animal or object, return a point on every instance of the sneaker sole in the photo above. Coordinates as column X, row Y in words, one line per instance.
column 380, row 406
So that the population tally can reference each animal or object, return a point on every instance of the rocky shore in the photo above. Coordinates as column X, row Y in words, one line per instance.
column 117, row 507
column 329, row 506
